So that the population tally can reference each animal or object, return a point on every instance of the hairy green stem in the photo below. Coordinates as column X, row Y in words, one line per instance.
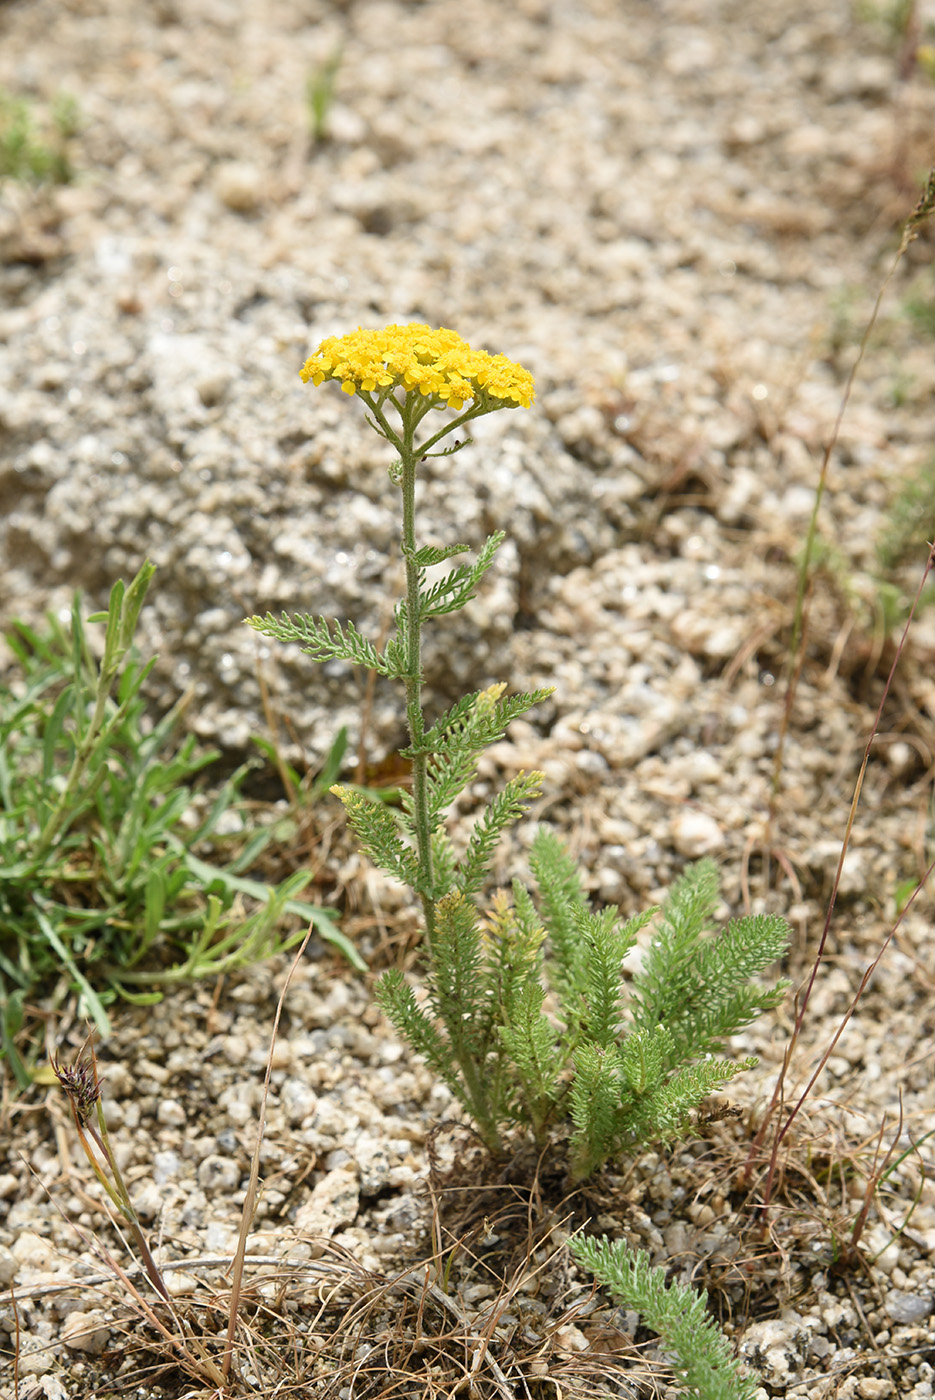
column 480, row 1102
column 414, row 716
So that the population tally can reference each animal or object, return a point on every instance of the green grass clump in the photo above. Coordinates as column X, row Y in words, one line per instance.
column 319, row 95
column 102, row 893
column 36, row 153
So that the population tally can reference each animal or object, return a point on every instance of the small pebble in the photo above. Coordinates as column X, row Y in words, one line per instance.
column 86, row 1331
column 695, row 834
column 239, row 185
column 908, row 1308
column 171, row 1113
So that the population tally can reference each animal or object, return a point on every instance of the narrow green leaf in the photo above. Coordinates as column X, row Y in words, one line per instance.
column 89, row 996
column 54, row 729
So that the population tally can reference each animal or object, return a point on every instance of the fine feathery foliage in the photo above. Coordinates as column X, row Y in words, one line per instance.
column 593, row 1064
column 102, row 892
column 700, row 1353
column 702, row 989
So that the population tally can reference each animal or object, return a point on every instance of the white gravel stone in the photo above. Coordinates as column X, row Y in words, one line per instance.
column 696, row 834
column 239, row 185
column 219, row 1174
column 333, row 1204
column 86, row 1331
column 171, row 1113
column 31, row 1251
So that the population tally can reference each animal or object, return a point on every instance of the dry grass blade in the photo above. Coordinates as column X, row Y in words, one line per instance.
column 802, row 1002
column 249, row 1205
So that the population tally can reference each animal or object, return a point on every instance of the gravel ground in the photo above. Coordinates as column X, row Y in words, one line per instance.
column 677, row 216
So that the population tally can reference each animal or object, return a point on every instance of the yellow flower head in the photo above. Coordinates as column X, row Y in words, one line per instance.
column 418, row 359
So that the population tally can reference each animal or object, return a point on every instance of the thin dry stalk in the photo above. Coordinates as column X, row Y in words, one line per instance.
column 873, row 1180
column 799, row 636
column 802, row 1002
column 920, row 215
column 250, row 1199
column 17, row 1342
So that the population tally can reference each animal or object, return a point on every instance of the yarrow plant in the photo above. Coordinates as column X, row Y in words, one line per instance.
column 523, row 1015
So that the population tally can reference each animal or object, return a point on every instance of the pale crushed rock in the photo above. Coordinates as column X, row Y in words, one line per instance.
column 86, row 1331
column 334, row 1202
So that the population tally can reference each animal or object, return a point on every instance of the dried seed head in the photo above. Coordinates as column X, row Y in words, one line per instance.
column 82, row 1086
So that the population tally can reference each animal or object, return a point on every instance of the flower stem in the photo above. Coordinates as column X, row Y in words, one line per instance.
column 414, row 716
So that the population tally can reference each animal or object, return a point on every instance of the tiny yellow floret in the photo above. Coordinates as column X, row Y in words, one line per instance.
column 418, row 359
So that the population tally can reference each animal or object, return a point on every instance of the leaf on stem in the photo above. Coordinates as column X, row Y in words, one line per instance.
column 375, row 827
column 326, row 640
column 700, row 987
column 506, row 807
column 529, row 1039
column 457, row 588
column 607, row 944
column 397, row 1000
column 703, row 1358
column 560, row 892
column 594, row 1104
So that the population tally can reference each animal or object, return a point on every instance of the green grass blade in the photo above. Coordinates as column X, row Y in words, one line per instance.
column 90, row 997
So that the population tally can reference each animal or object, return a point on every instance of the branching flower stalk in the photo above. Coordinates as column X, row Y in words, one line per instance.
column 607, row 1078
column 434, row 370
column 407, row 372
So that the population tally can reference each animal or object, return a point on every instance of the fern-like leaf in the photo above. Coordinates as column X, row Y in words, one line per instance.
column 397, row 1000
column 506, row 807
column 326, row 640
column 458, row 989
column 559, row 890
column 374, row 826
column 529, row 1040
column 607, row 944
column 685, row 916
column 457, row 588
column 593, row 1104
column 645, row 1056
column 701, row 1354
column 700, row 986
column 443, row 865
column 431, row 554
column 512, row 939
column 664, row 1113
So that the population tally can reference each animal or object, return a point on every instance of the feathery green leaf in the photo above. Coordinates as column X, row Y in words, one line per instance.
column 326, row 640
column 506, row 807
column 702, row 1358
column 375, row 827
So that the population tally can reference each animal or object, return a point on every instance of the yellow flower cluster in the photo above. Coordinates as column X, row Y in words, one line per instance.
column 415, row 357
